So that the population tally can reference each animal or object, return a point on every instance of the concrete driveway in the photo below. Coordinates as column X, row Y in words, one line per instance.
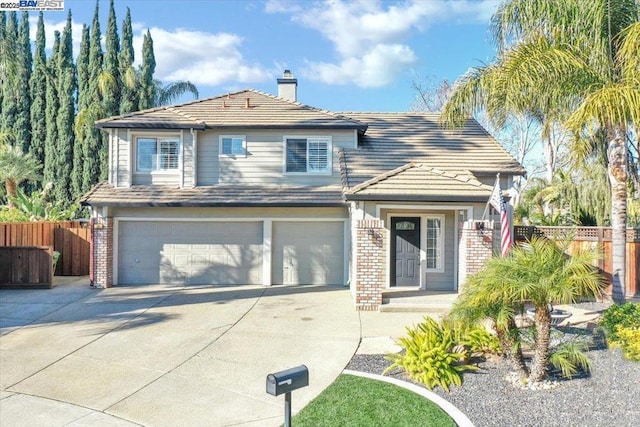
column 164, row 355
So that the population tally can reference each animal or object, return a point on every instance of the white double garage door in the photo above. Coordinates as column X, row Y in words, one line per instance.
column 230, row 253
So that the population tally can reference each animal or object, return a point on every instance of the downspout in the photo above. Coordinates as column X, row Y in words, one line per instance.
column 117, row 165
column 110, row 148
column 91, row 254
column 194, row 156
column 181, row 159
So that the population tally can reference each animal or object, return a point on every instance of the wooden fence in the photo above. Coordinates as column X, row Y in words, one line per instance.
column 26, row 267
column 72, row 239
column 74, row 245
column 584, row 237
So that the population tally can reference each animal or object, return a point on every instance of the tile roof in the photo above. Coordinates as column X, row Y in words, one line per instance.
column 105, row 194
column 247, row 109
column 394, row 139
column 421, row 183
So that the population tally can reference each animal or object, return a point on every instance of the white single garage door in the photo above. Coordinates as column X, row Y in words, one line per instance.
column 225, row 253
column 308, row 253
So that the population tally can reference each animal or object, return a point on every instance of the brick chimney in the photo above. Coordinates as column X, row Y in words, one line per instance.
column 288, row 86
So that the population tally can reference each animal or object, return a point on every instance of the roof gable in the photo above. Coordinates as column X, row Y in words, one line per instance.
column 244, row 109
column 423, row 182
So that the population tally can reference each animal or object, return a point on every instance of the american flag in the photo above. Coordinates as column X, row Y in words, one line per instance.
column 497, row 201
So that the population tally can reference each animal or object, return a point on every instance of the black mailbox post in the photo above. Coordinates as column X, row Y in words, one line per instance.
column 285, row 382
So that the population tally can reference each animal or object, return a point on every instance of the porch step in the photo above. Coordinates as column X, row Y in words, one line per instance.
column 410, row 300
column 412, row 308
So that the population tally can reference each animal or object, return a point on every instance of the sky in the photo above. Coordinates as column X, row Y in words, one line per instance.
column 361, row 55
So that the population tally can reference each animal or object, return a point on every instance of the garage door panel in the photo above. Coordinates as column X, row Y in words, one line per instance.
column 190, row 253
column 308, row 253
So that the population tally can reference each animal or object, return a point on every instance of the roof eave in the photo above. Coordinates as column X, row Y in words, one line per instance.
column 146, row 126
column 415, row 198
column 206, row 204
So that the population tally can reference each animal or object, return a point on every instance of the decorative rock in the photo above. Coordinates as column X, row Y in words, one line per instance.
column 513, row 378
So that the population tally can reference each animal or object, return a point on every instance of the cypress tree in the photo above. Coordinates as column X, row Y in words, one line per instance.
column 51, row 112
column 147, row 85
column 22, row 126
column 82, row 67
column 10, row 70
column 3, row 56
column 111, row 78
column 95, row 155
column 128, row 94
column 66, row 77
column 38, row 85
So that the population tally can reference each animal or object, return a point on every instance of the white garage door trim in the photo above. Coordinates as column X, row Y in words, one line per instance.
column 266, row 235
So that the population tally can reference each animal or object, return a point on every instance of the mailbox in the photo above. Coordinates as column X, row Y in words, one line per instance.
column 288, row 380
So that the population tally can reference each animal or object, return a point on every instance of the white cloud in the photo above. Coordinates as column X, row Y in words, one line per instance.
column 369, row 37
column 50, row 27
column 377, row 67
column 283, row 6
column 200, row 57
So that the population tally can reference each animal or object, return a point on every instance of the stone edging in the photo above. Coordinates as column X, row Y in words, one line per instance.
column 460, row 419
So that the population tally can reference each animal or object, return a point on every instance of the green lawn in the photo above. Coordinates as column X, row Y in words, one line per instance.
column 356, row 401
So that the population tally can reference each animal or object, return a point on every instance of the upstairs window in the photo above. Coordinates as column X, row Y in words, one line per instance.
column 233, row 145
column 157, row 154
column 308, row 155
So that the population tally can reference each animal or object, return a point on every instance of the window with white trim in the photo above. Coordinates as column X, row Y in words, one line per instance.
column 233, row 145
column 434, row 243
column 310, row 155
column 157, row 154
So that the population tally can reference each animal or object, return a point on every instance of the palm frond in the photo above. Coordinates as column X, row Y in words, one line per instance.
column 173, row 91
column 628, row 55
column 569, row 356
column 612, row 104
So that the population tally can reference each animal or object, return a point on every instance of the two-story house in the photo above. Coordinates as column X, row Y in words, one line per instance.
column 251, row 188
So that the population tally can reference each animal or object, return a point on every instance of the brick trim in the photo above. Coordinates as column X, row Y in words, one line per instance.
column 103, row 252
column 370, row 264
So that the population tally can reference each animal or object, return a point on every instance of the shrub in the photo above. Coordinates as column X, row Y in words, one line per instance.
column 432, row 356
column 621, row 323
column 569, row 356
column 475, row 339
column 629, row 341
column 620, row 315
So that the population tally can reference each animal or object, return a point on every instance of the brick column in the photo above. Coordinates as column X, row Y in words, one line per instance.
column 476, row 247
column 370, row 264
column 103, row 252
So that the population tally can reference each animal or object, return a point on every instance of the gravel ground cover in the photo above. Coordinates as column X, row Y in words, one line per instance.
column 609, row 396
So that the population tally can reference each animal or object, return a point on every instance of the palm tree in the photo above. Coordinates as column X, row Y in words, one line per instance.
column 541, row 273
column 481, row 299
column 16, row 167
column 577, row 61
column 170, row 93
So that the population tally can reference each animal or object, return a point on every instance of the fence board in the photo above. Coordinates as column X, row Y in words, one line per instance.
column 589, row 236
column 26, row 267
column 74, row 248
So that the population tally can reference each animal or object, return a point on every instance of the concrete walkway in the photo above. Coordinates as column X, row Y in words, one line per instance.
column 166, row 355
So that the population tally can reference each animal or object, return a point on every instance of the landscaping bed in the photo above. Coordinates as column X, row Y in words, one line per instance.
column 608, row 396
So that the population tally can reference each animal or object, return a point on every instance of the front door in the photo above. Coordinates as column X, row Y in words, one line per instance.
column 405, row 251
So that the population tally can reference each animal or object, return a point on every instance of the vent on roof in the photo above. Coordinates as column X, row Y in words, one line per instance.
column 288, row 86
